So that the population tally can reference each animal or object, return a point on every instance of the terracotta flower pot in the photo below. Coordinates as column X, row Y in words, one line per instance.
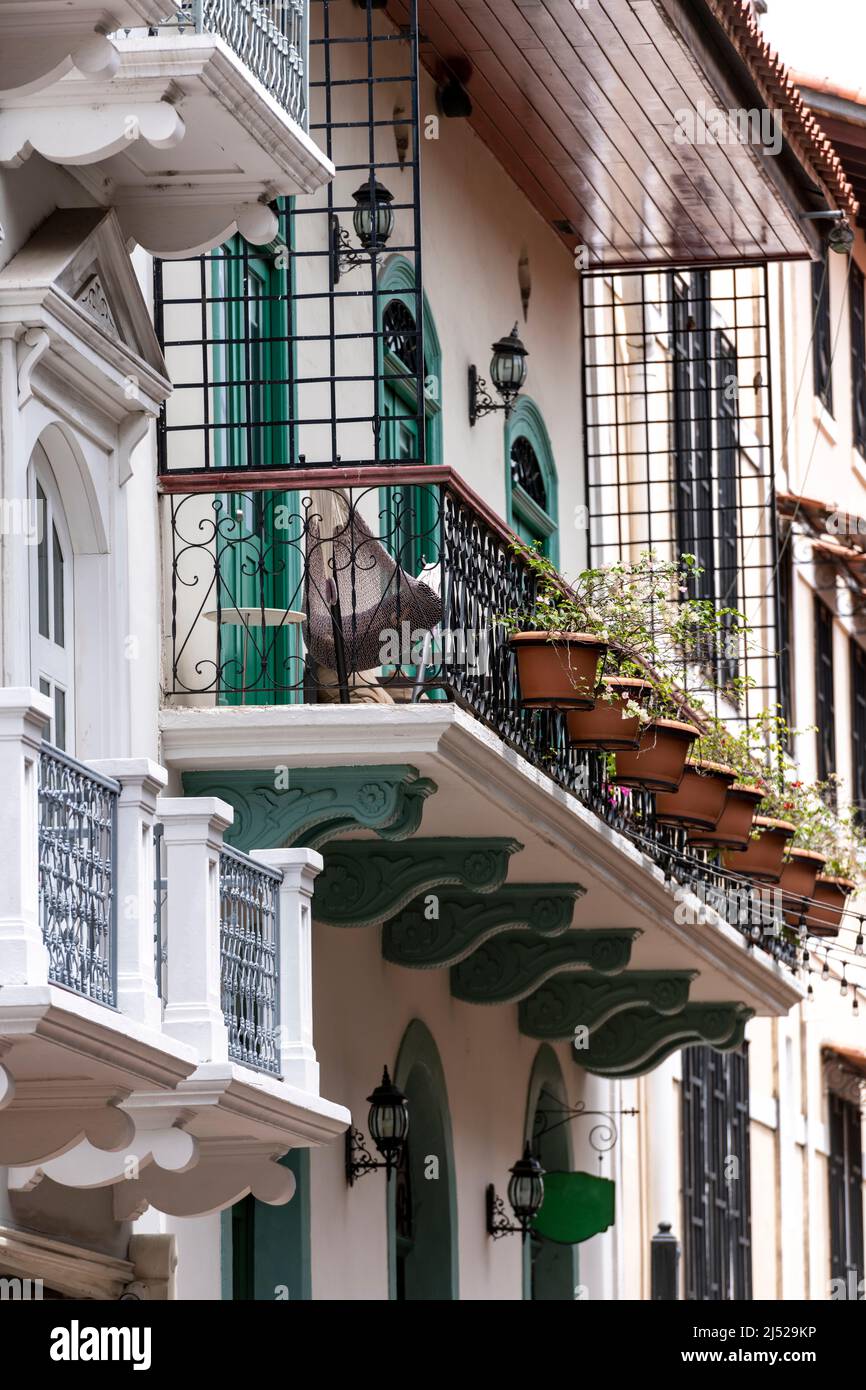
column 798, row 882
column 700, row 798
column 557, row 669
column 762, row 857
column 734, row 824
column 659, row 761
column 605, row 727
column 824, row 915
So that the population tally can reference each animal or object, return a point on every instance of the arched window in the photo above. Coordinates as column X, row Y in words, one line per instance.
column 422, row 1212
column 550, row 1271
column 410, row 514
column 51, row 604
column 531, row 485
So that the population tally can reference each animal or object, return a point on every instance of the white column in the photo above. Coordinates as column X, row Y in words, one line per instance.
column 141, row 781
column 299, row 867
column 192, row 841
column 23, row 957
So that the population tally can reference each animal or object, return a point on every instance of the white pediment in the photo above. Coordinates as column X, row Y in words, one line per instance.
column 74, row 282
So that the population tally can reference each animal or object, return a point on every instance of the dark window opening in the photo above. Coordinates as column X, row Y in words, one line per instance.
column 693, row 471
column 858, row 359
column 858, row 728
column 526, row 471
column 822, row 348
column 785, row 592
column 825, row 714
column 716, row 1175
column 846, row 1195
column 728, row 440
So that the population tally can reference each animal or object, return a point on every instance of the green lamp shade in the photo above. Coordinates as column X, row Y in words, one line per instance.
column 576, row 1206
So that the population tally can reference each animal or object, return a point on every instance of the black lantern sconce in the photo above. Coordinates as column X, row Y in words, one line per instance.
column 507, row 372
column 373, row 221
column 840, row 237
column 388, row 1122
column 525, row 1196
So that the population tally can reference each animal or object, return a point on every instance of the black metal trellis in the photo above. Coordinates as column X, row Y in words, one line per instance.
column 279, row 354
column 679, row 454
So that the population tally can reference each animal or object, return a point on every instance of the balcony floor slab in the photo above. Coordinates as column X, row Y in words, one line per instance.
column 486, row 787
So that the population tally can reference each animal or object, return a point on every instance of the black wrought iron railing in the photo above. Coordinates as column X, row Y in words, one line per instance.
column 160, row 897
column 389, row 585
column 269, row 36
column 249, row 959
column 77, row 893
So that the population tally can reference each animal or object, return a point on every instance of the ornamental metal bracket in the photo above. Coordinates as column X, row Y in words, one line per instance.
column 602, row 1137
column 345, row 256
column 480, row 400
column 498, row 1224
column 359, row 1160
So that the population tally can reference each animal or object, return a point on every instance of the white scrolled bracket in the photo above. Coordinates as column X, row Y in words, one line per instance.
column 96, row 58
column 55, row 55
column 86, row 134
column 172, row 1150
column 218, row 1181
column 38, row 1134
column 32, row 347
column 257, row 223
column 132, row 431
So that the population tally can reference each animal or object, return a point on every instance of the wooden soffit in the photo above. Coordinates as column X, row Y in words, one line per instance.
column 581, row 106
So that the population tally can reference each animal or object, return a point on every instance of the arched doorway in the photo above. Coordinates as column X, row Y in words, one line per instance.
column 550, row 1271
column 422, row 1205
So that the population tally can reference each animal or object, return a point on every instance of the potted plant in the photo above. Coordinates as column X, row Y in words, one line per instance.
column 772, row 829
column 720, row 745
column 700, row 799
column 560, row 641
column 845, row 851
column 659, row 761
column 806, row 855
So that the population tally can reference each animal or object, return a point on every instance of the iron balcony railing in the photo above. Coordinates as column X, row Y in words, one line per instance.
column 77, row 892
column 160, row 897
column 249, row 960
column 387, row 585
column 269, row 36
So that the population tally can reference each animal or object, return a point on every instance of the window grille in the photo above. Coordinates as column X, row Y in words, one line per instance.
column 716, row 1175
column 679, row 454
column 846, row 1194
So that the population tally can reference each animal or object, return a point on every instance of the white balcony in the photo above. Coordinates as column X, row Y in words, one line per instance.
column 189, row 131
column 176, row 1040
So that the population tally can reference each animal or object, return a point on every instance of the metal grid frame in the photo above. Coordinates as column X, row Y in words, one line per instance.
column 326, row 344
column 679, row 452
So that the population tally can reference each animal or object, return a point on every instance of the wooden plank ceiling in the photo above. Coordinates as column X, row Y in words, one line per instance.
column 579, row 105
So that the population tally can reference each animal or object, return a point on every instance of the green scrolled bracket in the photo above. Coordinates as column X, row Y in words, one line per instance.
column 511, row 966
column 429, row 936
column 318, row 803
column 364, row 882
column 568, row 1002
column 636, row 1041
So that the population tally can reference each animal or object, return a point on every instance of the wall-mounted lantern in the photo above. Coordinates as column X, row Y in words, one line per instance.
column 507, row 372
column 525, row 1197
column 388, row 1122
column 373, row 221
